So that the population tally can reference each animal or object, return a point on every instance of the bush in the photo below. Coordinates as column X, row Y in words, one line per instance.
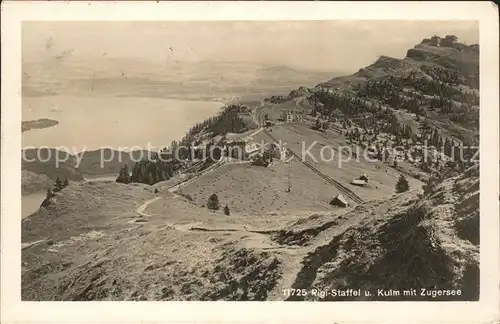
column 226, row 211
column 213, row 202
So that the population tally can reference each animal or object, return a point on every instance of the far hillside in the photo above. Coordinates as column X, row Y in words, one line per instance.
column 143, row 166
column 180, row 80
column 429, row 97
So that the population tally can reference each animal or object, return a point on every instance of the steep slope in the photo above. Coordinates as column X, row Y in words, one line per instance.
column 431, row 243
column 92, row 243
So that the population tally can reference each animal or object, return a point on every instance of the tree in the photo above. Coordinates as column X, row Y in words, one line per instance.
column 318, row 124
column 226, row 211
column 151, row 179
column 46, row 201
column 66, row 182
column 123, row 175
column 451, row 38
column 50, row 194
column 402, row 185
column 213, row 202
column 430, row 186
column 58, row 185
column 163, row 176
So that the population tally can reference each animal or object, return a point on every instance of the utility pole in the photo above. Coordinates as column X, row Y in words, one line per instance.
column 289, row 181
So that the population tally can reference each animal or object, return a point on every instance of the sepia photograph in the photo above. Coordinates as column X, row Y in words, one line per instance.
column 250, row 160
column 215, row 161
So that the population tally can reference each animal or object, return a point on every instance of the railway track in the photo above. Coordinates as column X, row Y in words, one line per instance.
column 346, row 191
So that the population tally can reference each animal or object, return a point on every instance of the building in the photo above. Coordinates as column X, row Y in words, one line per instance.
column 279, row 152
column 289, row 117
column 252, row 149
column 364, row 177
column 236, row 149
column 358, row 182
column 340, row 201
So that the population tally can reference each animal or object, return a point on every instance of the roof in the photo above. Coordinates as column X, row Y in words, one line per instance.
column 340, row 199
column 358, row 182
column 363, row 177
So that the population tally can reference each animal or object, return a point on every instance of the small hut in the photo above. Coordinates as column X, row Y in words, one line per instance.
column 340, row 201
column 364, row 177
column 358, row 182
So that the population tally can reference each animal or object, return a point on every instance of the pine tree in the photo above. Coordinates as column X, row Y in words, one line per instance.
column 150, row 179
column 123, row 175
column 46, row 201
column 402, row 185
column 213, row 202
column 66, row 182
column 163, row 176
column 226, row 211
column 58, row 185
column 430, row 185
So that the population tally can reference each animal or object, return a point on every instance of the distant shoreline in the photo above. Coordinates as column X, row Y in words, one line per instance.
column 38, row 124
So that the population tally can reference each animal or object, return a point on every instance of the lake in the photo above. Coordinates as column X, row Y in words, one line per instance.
column 87, row 123
column 30, row 203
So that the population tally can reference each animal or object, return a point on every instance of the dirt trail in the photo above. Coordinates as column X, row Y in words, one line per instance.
column 30, row 244
column 141, row 208
column 291, row 256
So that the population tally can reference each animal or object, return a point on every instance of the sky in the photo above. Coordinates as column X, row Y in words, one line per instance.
column 337, row 45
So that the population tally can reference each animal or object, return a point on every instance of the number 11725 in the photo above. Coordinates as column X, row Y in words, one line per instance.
column 289, row 292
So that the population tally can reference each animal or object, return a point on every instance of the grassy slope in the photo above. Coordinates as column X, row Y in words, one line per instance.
column 383, row 178
column 97, row 254
column 432, row 243
column 251, row 189
column 183, row 252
